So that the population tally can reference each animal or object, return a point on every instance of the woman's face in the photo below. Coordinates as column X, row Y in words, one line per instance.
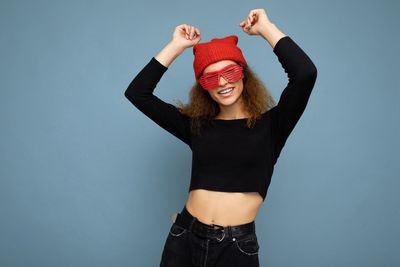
column 229, row 98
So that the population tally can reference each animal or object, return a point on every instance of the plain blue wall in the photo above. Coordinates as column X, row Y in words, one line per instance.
column 88, row 180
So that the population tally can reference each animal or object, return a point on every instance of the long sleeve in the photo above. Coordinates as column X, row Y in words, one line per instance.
column 302, row 75
column 140, row 94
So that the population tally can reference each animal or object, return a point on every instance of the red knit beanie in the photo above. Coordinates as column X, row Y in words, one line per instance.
column 215, row 50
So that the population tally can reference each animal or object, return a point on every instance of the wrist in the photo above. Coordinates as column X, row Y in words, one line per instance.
column 168, row 54
column 267, row 29
column 175, row 48
column 271, row 33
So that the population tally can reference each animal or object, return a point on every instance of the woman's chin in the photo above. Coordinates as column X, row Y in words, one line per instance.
column 228, row 101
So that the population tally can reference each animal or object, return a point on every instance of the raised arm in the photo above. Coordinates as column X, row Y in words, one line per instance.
column 301, row 71
column 302, row 75
column 140, row 90
column 166, row 115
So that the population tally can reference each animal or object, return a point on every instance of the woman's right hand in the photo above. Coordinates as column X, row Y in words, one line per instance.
column 185, row 36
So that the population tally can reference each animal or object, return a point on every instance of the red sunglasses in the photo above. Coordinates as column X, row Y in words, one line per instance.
column 232, row 73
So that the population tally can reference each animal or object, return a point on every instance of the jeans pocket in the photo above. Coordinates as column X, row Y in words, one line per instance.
column 248, row 244
column 177, row 230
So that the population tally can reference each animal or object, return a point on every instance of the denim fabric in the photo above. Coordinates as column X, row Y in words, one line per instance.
column 185, row 248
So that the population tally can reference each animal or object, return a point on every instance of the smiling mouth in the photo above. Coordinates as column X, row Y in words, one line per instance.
column 226, row 91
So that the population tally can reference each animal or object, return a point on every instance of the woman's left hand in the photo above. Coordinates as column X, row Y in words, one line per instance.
column 255, row 22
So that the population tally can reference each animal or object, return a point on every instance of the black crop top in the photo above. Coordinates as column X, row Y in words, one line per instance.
column 228, row 156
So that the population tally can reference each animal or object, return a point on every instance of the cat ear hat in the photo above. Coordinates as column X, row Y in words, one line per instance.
column 215, row 50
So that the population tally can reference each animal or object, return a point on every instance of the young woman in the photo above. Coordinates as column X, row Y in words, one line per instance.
column 236, row 133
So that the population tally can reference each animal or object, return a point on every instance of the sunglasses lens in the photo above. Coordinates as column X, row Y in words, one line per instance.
column 209, row 81
column 231, row 73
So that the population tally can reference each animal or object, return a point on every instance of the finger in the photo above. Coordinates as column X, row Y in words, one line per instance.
column 253, row 14
column 191, row 32
column 253, row 17
column 197, row 32
column 244, row 25
column 244, row 28
column 183, row 29
column 186, row 30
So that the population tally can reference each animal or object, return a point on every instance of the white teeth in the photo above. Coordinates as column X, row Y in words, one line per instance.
column 226, row 91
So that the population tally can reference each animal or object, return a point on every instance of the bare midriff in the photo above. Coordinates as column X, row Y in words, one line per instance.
column 223, row 208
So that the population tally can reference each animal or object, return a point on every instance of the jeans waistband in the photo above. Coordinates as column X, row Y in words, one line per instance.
column 212, row 231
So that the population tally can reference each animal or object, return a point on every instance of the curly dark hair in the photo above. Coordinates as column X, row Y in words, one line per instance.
column 202, row 108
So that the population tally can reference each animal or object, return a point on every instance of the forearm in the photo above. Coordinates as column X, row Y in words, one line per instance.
column 271, row 33
column 168, row 54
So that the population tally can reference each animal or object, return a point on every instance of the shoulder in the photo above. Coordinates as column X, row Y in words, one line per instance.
column 269, row 113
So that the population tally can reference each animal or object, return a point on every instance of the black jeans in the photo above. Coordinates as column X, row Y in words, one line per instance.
column 191, row 243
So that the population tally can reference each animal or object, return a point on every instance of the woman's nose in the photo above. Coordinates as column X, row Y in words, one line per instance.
column 222, row 81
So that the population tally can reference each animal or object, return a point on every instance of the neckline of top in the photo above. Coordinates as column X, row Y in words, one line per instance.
column 230, row 120
column 235, row 120
column 240, row 119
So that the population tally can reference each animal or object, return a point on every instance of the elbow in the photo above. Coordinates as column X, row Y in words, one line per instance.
column 130, row 96
column 313, row 72
column 135, row 97
column 126, row 94
column 312, row 75
column 309, row 74
column 306, row 79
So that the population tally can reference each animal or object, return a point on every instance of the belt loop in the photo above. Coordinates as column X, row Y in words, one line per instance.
column 191, row 223
column 229, row 231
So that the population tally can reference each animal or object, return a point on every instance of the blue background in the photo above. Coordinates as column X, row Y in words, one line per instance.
column 88, row 180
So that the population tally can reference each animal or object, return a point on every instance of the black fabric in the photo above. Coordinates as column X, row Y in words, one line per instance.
column 228, row 156
column 212, row 231
column 191, row 243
